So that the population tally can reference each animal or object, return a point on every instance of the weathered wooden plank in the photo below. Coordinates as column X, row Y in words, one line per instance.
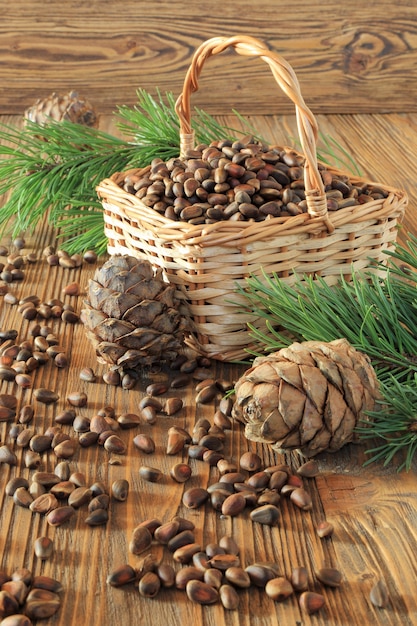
column 373, row 509
column 349, row 58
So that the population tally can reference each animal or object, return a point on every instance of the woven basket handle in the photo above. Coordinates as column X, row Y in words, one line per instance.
column 287, row 80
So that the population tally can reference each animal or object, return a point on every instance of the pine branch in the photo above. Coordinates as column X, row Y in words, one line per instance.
column 376, row 315
column 332, row 153
column 154, row 123
column 47, row 168
column 91, row 230
column 370, row 314
column 395, row 423
column 55, row 168
column 405, row 266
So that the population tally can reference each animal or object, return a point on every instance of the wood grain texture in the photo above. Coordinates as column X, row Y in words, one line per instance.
column 373, row 510
column 349, row 57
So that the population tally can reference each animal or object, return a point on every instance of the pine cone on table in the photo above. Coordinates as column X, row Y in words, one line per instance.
column 70, row 108
column 309, row 396
column 132, row 315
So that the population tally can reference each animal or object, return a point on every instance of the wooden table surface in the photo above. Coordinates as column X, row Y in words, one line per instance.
column 373, row 510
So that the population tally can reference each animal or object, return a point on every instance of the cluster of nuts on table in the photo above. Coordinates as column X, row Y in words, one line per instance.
column 241, row 180
column 208, row 573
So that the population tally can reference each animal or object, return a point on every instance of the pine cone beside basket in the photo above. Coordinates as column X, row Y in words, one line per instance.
column 309, row 396
column 70, row 108
column 132, row 316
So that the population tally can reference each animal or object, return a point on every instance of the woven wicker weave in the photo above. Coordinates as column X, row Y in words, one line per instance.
column 207, row 261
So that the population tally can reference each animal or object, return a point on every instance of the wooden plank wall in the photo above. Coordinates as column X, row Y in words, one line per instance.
column 350, row 57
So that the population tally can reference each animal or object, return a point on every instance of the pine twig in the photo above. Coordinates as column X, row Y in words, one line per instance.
column 332, row 153
column 395, row 424
column 47, row 168
column 54, row 169
column 368, row 313
column 376, row 315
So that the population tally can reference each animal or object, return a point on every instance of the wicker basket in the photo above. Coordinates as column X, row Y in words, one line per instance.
column 207, row 261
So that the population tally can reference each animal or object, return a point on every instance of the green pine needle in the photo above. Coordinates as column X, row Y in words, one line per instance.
column 331, row 152
column 79, row 238
column 368, row 313
column 48, row 168
column 154, row 124
column 395, row 423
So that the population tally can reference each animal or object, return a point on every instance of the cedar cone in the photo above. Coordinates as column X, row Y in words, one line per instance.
column 70, row 108
column 309, row 396
column 131, row 315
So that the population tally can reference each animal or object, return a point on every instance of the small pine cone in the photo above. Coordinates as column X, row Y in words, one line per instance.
column 70, row 108
column 309, row 396
column 132, row 315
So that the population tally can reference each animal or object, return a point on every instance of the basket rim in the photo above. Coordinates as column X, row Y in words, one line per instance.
column 227, row 231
